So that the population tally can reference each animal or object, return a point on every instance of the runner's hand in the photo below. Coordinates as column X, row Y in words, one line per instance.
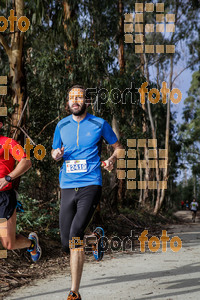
column 108, row 165
column 58, row 153
column 3, row 182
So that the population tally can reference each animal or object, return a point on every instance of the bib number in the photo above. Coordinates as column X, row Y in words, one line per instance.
column 76, row 166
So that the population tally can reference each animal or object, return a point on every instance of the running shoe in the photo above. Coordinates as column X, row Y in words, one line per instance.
column 35, row 251
column 98, row 248
column 74, row 296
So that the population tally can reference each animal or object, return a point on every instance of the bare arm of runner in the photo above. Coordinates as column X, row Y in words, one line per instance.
column 23, row 166
column 112, row 159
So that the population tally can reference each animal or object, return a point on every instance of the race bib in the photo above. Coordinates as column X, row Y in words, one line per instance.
column 76, row 166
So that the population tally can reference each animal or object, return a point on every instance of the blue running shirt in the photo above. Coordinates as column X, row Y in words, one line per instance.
column 82, row 141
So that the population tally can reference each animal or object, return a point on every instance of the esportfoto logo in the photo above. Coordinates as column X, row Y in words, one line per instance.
column 116, row 244
column 140, row 29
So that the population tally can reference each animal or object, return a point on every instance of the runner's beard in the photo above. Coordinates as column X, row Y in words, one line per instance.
column 80, row 112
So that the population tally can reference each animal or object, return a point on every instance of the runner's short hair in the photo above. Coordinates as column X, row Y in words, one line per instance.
column 77, row 86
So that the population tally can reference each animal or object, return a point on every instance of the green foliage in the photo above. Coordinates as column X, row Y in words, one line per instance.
column 85, row 51
column 189, row 137
column 185, row 191
column 39, row 217
column 189, row 130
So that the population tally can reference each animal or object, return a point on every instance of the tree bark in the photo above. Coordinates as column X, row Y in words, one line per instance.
column 121, row 38
column 70, row 16
column 14, row 50
column 167, row 132
column 144, row 193
column 153, row 131
column 159, row 202
column 121, row 183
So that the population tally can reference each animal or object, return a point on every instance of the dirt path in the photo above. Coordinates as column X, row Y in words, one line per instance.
column 141, row 276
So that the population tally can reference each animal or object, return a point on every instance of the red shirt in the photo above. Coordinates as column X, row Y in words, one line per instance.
column 8, row 157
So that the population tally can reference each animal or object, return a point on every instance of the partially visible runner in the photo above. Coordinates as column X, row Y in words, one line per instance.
column 78, row 139
column 193, row 206
column 182, row 204
column 8, row 201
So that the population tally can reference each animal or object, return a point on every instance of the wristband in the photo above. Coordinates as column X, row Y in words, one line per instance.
column 8, row 178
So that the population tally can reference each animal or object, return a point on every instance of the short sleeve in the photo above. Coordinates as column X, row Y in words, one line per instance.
column 16, row 150
column 108, row 134
column 57, row 142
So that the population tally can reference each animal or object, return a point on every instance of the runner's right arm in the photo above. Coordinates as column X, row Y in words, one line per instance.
column 23, row 166
column 57, row 154
column 58, row 151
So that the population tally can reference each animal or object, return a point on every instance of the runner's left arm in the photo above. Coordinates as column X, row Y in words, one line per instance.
column 111, row 138
column 112, row 159
column 58, row 150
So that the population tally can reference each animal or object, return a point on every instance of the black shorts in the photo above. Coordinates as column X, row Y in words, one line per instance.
column 76, row 210
column 8, row 202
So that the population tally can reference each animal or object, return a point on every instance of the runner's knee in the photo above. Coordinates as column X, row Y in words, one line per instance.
column 8, row 244
column 70, row 241
column 74, row 241
column 65, row 244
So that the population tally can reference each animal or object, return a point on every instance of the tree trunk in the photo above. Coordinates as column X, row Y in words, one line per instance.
column 167, row 132
column 153, row 131
column 70, row 16
column 159, row 202
column 121, row 183
column 195, row 186
column 141, row 191
column 14, row 51
column 144, row 194
column 121, row 38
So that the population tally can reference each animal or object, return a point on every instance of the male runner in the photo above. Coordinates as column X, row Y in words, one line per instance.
column 8, row 201
column 77, row 139
column 194, row 205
